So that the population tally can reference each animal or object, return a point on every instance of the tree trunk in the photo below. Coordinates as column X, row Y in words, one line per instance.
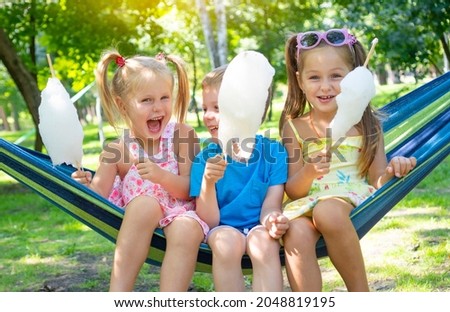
column 382, row 76
column 15, row 115
column 222, row 46
column 208, row 33
column 3, row 118
column 193, row 104
column 445, row 46
column 24, row 81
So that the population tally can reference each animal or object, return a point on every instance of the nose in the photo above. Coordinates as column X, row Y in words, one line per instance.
column 208, row 115
column 325, row 85
column 157, row 106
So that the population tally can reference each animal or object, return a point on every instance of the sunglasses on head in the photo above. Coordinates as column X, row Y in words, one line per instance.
column 334, row 37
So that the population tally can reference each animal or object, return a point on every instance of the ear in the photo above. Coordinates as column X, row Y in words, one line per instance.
column 121, row 105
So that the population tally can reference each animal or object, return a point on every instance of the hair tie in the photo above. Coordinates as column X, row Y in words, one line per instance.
column 120, row 61
column 161, row 56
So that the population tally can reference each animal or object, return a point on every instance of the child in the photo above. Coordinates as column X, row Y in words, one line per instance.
column 147, row 171
column 240, row 202
column 316, row 63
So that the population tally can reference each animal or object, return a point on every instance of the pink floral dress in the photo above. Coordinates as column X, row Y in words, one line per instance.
column 343, row 180
column 133, row 185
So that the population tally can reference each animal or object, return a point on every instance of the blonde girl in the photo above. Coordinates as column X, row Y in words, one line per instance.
column 146, row 171
column 326, row 181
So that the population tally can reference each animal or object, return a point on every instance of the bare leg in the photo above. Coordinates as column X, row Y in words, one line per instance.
column 141, row 217
column 332, row 220
column 228, row 247
column 184, row 236
column 264, row 251
column 302, row 266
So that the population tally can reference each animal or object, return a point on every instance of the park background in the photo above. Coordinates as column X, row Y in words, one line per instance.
column 44, row 249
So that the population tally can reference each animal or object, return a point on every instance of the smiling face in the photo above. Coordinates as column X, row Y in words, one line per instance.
column 321, row 75
column 210, row 108
column 149, row 108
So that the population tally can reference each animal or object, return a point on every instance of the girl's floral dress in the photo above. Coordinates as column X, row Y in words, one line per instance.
column 133, row 185
column 343, row 180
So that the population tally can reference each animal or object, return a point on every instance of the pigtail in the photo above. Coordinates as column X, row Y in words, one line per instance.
column 295, row 100
column 104, row 86
column 182, row 99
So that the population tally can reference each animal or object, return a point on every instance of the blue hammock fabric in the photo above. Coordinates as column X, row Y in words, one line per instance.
column 426, row 137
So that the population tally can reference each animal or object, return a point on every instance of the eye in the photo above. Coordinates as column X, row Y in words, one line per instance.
column 165, row 98
column 337, row 76
column 204, row 109
column 147, row 100
column 313, row 77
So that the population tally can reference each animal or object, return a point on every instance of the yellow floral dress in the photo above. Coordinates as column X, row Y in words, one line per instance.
column 343, row 180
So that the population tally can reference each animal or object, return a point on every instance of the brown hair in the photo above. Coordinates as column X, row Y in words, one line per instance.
column 296, row 102
column 213, row 79
column 128, row 76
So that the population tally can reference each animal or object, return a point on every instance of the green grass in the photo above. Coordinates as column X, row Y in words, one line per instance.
column 45, row 249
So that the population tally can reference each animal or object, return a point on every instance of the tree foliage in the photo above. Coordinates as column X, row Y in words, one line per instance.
column 413, row 35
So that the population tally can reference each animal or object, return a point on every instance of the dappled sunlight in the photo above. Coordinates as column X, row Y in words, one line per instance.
column 75, row 226
column 36, row 259
column 4, row 178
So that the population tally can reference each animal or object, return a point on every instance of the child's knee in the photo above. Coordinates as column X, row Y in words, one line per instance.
column 332, row 215
column 301, row 232
column 144, row 210
column 226, row 243
column 184, row 231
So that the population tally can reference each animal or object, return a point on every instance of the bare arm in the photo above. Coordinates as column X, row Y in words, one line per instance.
column 106, row 172
column 380, row 171
column 207, row 206
column 301, row 174
column 271, row 216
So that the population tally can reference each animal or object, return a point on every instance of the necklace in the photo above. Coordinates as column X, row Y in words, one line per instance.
column 312, row 124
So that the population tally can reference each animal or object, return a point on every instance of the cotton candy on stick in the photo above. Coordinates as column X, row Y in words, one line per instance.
column 60, row 128
column 242, row 100
column 357, row 89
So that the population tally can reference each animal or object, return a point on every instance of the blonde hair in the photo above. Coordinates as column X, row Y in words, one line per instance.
column 128, row 76
column 213, row 79
column 296, row 102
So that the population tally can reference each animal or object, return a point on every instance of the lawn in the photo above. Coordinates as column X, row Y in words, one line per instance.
column 44, row 249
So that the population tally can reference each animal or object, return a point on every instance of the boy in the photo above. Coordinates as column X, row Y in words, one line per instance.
column 241, row 202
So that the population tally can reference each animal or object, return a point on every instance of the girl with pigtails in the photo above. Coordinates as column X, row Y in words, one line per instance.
column 146, row 171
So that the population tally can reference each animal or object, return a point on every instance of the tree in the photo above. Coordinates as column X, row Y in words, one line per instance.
column 72, row 31
column 24, row 79
column 218, row 50
column 412, row 34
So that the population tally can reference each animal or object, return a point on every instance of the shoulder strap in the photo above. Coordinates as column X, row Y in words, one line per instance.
column 297, row 136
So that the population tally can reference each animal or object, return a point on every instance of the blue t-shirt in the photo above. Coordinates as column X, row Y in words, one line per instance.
column 243, row 188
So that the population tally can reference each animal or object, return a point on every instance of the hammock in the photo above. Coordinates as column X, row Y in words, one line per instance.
column 417, row 125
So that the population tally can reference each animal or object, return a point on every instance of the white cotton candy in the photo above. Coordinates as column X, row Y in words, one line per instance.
column 242, row 100
column 60, row 128
column 357, row 89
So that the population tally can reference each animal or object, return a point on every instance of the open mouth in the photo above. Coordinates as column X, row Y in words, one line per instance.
column 154, row 124
column 326, row 97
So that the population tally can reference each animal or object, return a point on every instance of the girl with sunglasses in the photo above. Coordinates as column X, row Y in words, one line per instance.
column 327, row 181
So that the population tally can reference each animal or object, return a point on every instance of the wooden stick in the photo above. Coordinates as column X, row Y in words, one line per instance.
column 372, row 49
column 49, row 60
